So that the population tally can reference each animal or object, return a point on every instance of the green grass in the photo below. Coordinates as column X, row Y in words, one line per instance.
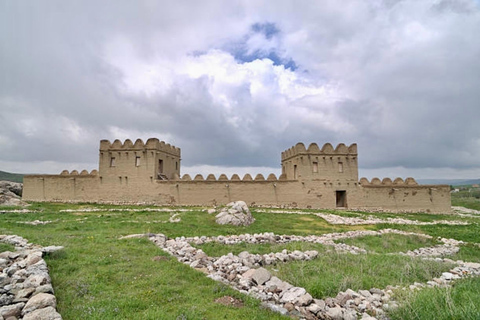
column 117, row 279
column 461, row 302
column 467, row 202
column 468, row 253
column 216, row 249
column 390, row 242
column 468, row 233
column 6, row 247
column 421, row 216
column 467, row 199
column 333, row 272
column 98, row 276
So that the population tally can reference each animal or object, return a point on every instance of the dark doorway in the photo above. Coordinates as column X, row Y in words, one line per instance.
column 160, row 166
column 341, row 198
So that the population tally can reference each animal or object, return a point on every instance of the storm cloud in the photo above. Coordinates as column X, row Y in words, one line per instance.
column 235, row 83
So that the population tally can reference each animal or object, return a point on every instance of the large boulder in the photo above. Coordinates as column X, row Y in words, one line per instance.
column 11, row 193
column 14, row 187
column 235, row 213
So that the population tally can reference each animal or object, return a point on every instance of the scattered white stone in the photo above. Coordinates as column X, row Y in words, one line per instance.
column 35, row 222
column 235, row 213
column 447, row 275
column 335, row 313
column 27, row 292
column 175, row 218
column 336, row 219
column 134, row 236
column 261, row 275
column 292, row 294
column 51, row 249
column 48, row 313
column 40, row 301
column 244, row 272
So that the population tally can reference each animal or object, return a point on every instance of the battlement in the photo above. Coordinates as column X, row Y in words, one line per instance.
column 326, row 150
column 82, row 173
column 128, row 145
column 311, row 177
column 388, row 182
column 235, row 177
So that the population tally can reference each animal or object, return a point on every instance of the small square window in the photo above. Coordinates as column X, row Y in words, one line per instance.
column 137, row 161
column 112, row 162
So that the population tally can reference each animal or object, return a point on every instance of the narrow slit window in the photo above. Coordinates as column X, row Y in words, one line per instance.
column 315, row 167
column 112, row 162
column 340, row 167
column 137, row 161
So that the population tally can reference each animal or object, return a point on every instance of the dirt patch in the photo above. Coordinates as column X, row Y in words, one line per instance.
column 230, row 301
column 160, row 258
column 306, row 218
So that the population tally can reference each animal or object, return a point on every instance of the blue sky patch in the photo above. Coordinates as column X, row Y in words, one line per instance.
column 268, row 29
column 242, row 53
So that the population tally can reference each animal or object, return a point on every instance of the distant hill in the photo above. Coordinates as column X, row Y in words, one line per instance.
column 452, row 182
column 14, row 177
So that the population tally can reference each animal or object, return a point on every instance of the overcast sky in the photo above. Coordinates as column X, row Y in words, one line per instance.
column 234, row 83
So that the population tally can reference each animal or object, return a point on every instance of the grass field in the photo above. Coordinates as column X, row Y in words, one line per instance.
column 98, row 276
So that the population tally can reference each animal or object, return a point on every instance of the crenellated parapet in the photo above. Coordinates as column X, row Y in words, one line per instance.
column 235, row 178
column 128, row 145
column 82, row 173
column 326, row 163
column 138, row 161
column 313, row 177
column 326, row 150
column 388, row 182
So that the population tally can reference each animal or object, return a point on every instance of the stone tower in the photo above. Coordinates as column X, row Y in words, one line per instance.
column 326, row 164
column 137, row 163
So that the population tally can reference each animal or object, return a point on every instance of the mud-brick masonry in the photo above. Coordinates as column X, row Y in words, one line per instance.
column 313, row 177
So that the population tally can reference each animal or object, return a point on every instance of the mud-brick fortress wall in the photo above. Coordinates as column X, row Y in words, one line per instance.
column 311, row 177
column 64, row 187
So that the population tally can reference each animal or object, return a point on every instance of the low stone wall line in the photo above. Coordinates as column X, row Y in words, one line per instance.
column 244, row 272
column 124, row 209
column 26, row 291
column 337, row 220
column 19, row 211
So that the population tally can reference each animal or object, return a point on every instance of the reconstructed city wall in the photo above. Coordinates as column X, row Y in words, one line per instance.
column 66, row 186
column 325, row 178
column 258, row 191
column 405, row 195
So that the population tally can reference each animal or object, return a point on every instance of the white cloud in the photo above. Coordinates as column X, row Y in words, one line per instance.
column 398, row 77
